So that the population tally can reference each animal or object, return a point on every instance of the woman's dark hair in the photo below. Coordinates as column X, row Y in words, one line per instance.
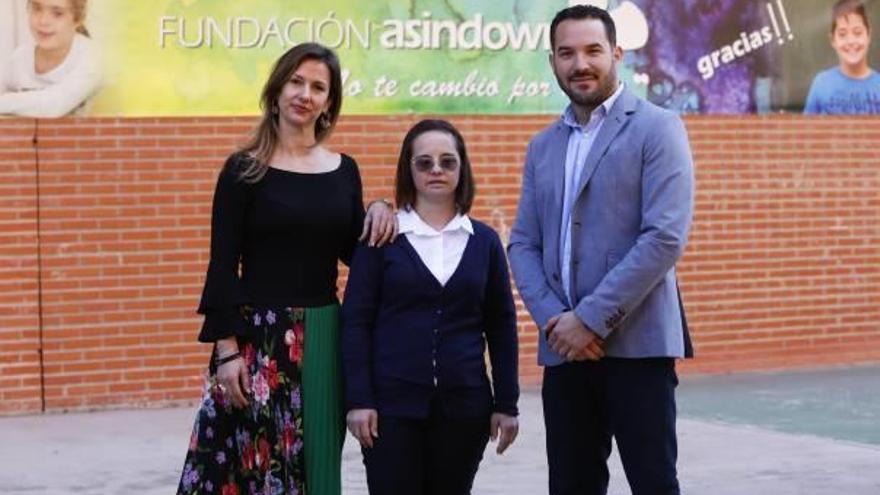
column 405, row 188
column 265, row 138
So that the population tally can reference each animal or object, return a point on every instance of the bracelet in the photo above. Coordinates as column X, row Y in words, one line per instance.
column 225, row 359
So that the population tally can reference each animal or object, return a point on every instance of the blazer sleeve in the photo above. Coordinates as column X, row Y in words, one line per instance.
column 667, row 201
column 359, row 309
column 500, row 328
column 526, row 252
column 223, row 293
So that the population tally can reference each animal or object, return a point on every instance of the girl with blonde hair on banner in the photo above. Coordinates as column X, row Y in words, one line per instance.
column 286, row 210
column 56, row 73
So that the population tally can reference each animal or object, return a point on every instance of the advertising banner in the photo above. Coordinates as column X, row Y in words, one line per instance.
column 211, row 57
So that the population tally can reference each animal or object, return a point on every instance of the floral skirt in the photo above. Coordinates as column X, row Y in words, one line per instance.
column 290, row 436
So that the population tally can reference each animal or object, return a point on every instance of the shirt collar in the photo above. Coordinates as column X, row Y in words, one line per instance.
column 570, row 119
column 410, row 221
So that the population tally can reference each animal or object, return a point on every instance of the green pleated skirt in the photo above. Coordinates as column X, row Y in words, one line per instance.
column 324, row 408
column 289, row 438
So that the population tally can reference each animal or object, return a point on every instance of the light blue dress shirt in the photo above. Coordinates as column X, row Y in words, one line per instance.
column 580, row 141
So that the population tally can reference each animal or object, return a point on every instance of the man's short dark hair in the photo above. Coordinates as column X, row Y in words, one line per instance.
column 578, row 12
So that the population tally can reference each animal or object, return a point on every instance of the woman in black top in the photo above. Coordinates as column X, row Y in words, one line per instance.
column 286, row 209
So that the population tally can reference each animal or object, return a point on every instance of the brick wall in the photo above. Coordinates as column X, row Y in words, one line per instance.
column 19, row 287
column 104, row 261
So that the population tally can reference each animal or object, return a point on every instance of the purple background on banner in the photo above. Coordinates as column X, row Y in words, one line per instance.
column 682, row 32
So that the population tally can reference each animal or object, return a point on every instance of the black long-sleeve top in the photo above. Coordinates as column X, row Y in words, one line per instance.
column 406, row 339
column 277, row 242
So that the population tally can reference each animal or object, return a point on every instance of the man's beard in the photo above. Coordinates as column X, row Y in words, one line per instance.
column 591, row 99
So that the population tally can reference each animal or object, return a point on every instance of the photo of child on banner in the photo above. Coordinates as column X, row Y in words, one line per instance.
column 852, row 87
column 477, row 57
column 56, row 71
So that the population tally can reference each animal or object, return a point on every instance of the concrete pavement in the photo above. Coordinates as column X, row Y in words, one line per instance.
column 141, row 452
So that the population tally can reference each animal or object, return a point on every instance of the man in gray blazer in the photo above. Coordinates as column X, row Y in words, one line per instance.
column 606, row 206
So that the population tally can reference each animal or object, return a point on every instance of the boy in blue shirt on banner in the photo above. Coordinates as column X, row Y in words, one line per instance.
column 852, row 87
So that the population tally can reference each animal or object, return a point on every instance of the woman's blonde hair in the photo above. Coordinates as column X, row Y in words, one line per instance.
column 79, row 15
column 78, row 7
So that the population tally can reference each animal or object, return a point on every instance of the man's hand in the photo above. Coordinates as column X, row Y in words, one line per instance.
column 380, row 224
column 364, row 425
column 569, row 338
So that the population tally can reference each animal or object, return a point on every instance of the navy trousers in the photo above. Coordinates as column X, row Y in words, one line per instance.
column 588, row 403
column 438, row 455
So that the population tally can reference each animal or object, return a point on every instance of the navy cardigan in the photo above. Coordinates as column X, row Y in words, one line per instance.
column 407, row 340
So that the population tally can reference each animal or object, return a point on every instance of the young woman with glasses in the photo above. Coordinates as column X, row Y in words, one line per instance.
column 418, row 315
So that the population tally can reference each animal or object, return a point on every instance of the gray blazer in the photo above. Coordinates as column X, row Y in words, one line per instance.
column 629, row 224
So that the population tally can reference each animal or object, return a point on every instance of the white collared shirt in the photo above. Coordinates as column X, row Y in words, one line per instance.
column 440, row 251
column 580, row 142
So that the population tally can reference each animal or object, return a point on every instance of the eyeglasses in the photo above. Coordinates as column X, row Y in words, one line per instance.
column 425, row 163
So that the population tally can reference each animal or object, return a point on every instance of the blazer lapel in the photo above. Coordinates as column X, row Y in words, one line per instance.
column 614, row 122
column 556, row 165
